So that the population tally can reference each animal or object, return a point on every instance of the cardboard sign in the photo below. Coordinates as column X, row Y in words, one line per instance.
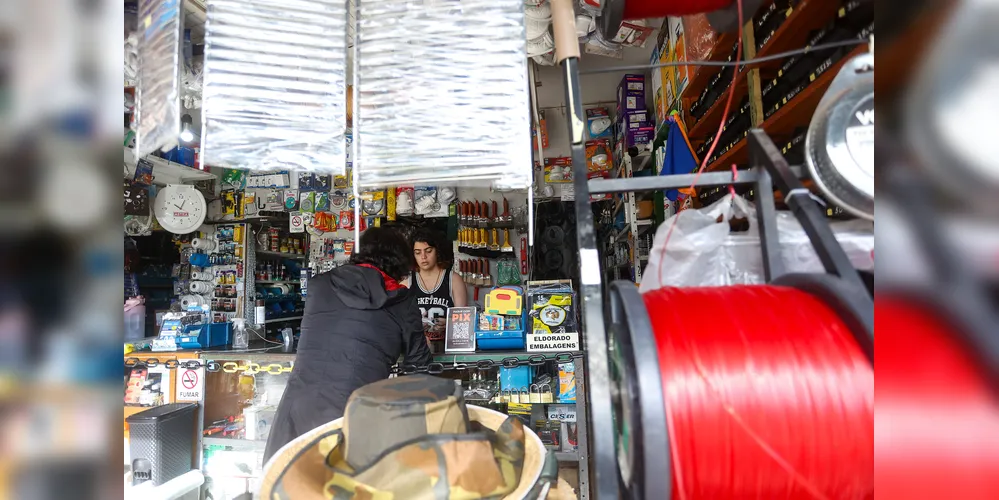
column 562, row 413
column 190, row 384
column 460, row 333
column 296, row 222
column 541, row 342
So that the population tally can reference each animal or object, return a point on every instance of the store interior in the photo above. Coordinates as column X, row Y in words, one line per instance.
column 215, row 291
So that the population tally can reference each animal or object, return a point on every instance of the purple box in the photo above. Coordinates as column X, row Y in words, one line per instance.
column 634, row 119
column 639, row 137
column 631, row 94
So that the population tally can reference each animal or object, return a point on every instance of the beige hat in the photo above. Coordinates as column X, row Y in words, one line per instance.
column 398, row 438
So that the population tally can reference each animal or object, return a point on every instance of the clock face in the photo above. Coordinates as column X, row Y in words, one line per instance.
column 180, row 209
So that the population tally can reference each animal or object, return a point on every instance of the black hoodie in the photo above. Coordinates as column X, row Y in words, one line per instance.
column 353, row 331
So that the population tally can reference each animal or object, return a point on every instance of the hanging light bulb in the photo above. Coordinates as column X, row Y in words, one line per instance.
column 186, row 135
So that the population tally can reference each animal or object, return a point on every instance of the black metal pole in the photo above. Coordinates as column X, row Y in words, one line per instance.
column 600, row 421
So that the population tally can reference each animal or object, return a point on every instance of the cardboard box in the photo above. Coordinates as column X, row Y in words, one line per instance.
column 558, row 170
column 639, row 137
column 635, row 119
column 631, row 94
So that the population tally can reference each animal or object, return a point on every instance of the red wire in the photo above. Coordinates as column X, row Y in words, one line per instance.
column 714, row 143
column 770, row 398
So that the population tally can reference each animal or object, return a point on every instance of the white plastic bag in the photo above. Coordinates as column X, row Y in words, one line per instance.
column 704, row 252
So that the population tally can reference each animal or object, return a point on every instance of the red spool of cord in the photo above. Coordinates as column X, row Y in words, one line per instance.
column 938, row 418
column 767, row 395
column 645, row 9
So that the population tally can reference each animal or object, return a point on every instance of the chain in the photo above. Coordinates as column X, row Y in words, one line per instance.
column 213, row 366
column 437, row 368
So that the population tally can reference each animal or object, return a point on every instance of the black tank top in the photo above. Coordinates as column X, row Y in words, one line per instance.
column 433, row 302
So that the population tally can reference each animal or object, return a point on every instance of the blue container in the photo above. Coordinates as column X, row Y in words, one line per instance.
column 200, row 260
column 497, row 340
column 515, row 379
column 202, row 336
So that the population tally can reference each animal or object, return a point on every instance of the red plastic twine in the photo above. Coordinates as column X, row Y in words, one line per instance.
column 937, row 419
column 767, row 395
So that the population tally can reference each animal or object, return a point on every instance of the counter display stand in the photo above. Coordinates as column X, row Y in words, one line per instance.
column 242, row 389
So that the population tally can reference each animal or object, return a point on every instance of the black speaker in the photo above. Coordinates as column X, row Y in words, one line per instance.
column 555, row 254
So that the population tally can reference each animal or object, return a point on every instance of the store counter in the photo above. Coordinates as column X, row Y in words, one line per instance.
column 239, row 391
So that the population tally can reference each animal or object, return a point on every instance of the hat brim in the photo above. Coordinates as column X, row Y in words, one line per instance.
column 534, row 456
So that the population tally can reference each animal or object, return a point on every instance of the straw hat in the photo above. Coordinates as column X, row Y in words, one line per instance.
column 398, row 438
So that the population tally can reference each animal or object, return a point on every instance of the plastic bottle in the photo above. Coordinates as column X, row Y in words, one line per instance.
column 240, row 338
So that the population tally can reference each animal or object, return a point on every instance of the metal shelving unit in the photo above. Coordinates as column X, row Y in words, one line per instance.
column 283, row 255
column 581, row 456
column 634, row 227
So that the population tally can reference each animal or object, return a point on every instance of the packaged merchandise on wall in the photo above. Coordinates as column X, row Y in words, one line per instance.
column 598, row 123
column 598, row 156
column 558, row 170
column 631, row 94
column 566, row 383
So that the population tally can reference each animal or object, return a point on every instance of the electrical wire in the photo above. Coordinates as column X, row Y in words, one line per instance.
column 714, row 142
column 747, row 62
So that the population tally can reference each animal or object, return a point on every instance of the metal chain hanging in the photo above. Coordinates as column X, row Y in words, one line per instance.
column 435, row 368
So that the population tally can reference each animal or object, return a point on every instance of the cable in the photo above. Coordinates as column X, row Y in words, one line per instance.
column 714, row 142
column 747, row 62
column 255, row 332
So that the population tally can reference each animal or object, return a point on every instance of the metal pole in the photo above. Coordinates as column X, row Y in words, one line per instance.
column 597, row 376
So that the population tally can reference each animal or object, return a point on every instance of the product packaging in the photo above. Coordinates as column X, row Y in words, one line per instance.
column 322, row 201
column 631, row 94
column 598, row 156
column 639, row 137
column 633, row 33
column 306, row 182
column 323, row 182
column 347, row 220
column 558, row 170
column 598, row 123
column 566, row 383
column 634, row 119
column 307, row 202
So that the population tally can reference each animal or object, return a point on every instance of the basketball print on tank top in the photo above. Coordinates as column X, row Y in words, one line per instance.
column 434, row 304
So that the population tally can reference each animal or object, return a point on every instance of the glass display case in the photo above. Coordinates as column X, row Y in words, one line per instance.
column 241, row 398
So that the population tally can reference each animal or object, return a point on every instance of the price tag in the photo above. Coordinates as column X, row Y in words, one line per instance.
column 562, row 413
column 568, row 192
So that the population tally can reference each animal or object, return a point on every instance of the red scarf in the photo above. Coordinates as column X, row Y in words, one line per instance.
column 390, row 283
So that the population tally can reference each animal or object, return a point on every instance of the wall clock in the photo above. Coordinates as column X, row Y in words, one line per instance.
column 180, row 208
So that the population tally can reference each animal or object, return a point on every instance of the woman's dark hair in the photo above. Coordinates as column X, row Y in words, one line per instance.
column 435, row 239
column 385, row 249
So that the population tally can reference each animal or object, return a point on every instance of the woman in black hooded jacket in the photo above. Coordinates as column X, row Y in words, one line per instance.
column 358, row 320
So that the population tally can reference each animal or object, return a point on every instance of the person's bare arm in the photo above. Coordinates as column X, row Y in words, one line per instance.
column 458, row 293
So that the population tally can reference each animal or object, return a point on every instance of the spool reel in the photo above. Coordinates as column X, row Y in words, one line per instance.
column 840, row 142
column 638, row 401
column 639, row 408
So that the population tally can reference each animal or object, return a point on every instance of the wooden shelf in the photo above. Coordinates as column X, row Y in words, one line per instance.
column 793, row 33
column 707, row 125
column 701, row 75
column 796, row 113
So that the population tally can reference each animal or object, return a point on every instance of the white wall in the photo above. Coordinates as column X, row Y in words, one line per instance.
column 599, row 89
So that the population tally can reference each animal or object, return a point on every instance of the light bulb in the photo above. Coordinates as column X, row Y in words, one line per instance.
column 186, row 135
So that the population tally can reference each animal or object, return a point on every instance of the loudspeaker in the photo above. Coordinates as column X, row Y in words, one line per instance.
column 555, row 254
column 161, row 442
